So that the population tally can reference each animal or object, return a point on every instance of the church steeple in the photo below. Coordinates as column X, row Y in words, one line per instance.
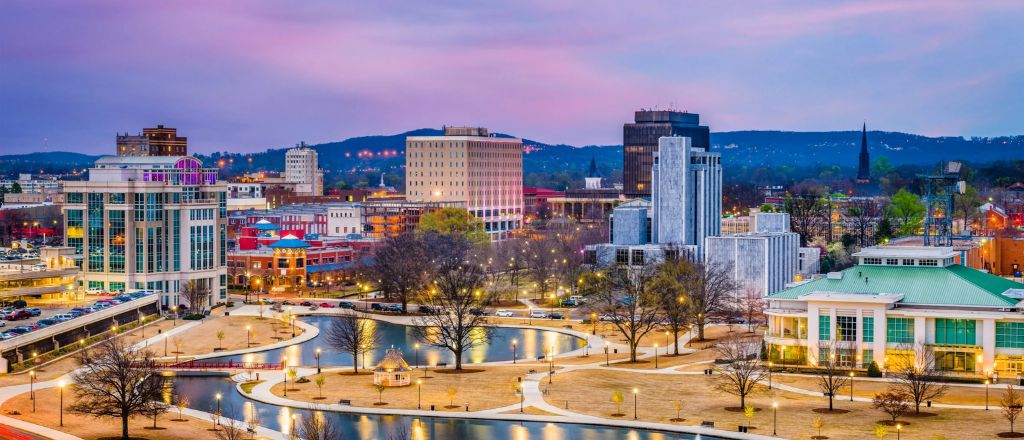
column 864, row 164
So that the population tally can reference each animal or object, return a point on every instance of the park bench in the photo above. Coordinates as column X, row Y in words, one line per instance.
column 345, row 402
column 707, row 424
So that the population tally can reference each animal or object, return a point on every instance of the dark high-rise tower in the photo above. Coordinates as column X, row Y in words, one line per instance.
column 864, row 165
column 640, row 141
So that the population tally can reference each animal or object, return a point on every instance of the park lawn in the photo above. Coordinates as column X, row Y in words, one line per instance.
column 202, row 339
column 87, row 427
column 589, row 392
column 493, row 387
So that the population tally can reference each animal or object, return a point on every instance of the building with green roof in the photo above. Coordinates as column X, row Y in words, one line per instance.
column 898, row 302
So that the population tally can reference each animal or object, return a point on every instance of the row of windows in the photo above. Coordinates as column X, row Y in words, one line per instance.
column 201, row 214
column 201, row 247
column 1010, row 334
column 955, row 331
column 899, row 330
column 929, row 262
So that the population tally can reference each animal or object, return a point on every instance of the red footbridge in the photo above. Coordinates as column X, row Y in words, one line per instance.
column 219, row 366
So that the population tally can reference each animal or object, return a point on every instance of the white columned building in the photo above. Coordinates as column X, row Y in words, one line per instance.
column 898, row 303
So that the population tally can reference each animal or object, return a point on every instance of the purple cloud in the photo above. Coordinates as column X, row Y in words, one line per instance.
column 247, row 75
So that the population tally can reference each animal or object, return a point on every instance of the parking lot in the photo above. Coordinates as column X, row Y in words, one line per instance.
column 20, row 317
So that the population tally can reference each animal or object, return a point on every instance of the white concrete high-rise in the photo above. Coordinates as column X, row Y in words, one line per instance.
column 686, row 184
column 302, row 169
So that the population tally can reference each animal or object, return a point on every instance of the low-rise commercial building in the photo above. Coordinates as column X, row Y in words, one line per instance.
column 899, row 302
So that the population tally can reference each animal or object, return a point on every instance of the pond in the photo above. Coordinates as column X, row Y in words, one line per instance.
column 201, row 392
column 530, row 344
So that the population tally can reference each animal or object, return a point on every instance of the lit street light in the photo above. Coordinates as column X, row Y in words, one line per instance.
column 514, row 342
column 635, row 392
column 60, row 386
column 851, row 386
column 31, row 389
column 217, row 420
column 775, row 417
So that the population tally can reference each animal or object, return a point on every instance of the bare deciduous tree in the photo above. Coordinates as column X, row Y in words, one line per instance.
column 353, row 334
column 115, row 379
column 831, row 379
column 196, row 295
column 893, row 403
column 449, row 321
column 752, row 305
column 627, row 297
column 918, row 376
column 318, row 426
column 400, row 267
column 1011, row 403
column 230, row 429
column 742, row 370
column 709, row 292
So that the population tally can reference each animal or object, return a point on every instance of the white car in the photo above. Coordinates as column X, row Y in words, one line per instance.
column 537, row 313
column 504, row 313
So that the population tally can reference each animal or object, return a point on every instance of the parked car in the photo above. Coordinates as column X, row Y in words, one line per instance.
column 22, row 329
column 18, row 315
column 64, row 317
column 123, row 298
column 504, row 313
column 7, row 335
column 607, row 317
column 478, row 311
column 76, row 313
column 538, row 313
column 46, row 322
column 377, row 306
column 34, row 311
column 327, row 305
column 306, row 303
column 569, row 303
column 287, row 303
column 346, row 305
column 393, row 308
column 268, row 301
column 557, row 315
column 423, row 308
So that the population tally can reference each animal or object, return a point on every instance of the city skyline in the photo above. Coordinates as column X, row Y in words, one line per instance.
column 249, row 76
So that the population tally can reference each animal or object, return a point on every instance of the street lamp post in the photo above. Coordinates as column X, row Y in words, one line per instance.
column 551, row 363
column 416, row 348
column 174, row 314
column 318, row 360
column 898, row 428
column 635, row 392
column 851, row 386
column 606, row 354
column 655, row 356
column 31, row 388
column 769, row 375
column 284, row 369
column 986, row 394
column 60, row 386
column 292, row 316
column 217, row 422
column 419, row 395
column 522, row 396
column 593, row 321
column 514, row 342
column 248, row 336
column 775, row 417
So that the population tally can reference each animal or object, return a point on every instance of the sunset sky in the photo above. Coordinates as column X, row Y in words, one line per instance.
column 249, row 75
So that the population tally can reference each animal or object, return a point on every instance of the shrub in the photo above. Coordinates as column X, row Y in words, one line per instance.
column 873, row 370
column 193, row 317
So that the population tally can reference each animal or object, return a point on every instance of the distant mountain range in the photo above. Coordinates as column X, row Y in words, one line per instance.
column 738, row 148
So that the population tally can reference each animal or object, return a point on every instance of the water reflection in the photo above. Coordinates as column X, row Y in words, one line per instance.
column 531, row 344
column 200, row 392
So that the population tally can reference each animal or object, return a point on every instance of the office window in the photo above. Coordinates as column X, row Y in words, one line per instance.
column 846, row 328
column 1009, row 334
column 824, row 327
column 955, row 331
column 621, row 256
column 892, row 261
column 899, row 330
column 908, row 261
column 869, row 329
column 875, row 261
column 929, row 262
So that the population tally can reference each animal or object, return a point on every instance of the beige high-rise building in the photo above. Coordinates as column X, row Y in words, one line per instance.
column 301, row 168
column 467, row 165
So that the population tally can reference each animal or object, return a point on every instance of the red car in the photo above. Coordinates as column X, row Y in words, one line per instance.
column 20, row 314
column 327, row 306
